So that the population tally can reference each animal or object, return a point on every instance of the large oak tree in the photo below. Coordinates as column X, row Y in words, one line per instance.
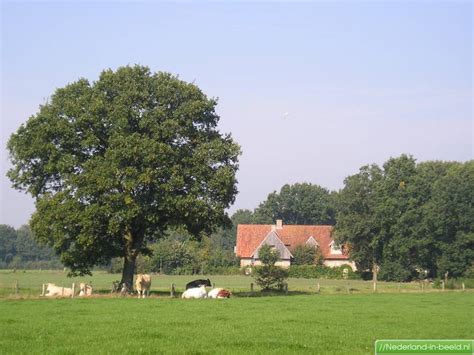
column 114, row 163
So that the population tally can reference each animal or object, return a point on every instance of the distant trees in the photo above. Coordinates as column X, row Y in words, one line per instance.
column 406, row 218
column 297, row 204
column 18, row 249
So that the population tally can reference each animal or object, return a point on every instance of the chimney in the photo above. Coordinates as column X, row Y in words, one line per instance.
column 279, row 224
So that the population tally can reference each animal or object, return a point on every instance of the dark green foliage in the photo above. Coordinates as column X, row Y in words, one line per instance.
column 297, row 204
column 242, row 217
column 268, row 276
column 18, row 249
column 268, row 255
column 357, row 224
column 322, row 272
column 307, row 255
column 114, row 163
column 408, row 218
column 7, row 243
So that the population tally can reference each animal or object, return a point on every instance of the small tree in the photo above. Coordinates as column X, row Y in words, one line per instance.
column 269, row 276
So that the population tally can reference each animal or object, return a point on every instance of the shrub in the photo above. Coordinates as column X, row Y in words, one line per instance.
column 322, row 272
column 268, row 276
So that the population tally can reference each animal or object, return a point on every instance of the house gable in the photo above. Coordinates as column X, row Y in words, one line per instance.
column 335, row 248
column 273, row 240
column 312, row 242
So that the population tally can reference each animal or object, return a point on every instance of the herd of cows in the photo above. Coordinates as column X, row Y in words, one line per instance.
column 194, row 289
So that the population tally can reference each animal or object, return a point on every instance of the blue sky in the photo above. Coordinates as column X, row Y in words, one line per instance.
column 360, row 81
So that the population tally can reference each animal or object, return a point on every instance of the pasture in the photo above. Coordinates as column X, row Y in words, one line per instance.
column 29, row 283
column 326, row 323
column 346, row 317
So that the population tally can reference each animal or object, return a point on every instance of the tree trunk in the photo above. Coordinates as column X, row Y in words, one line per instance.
column 128, row 271
column 131, row 251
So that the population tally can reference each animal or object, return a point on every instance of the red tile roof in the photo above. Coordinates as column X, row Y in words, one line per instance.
column 249, row 237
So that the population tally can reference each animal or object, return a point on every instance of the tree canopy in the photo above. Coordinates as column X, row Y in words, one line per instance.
column 297, row 204
column 114, row 163
column 407, row 219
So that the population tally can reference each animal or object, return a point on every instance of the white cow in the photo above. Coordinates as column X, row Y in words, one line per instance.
column 52, row 290
column 143, row 284
column 196, row 292
column 219, row 293
column 85, row 289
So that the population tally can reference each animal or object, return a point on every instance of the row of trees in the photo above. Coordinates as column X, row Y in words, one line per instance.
column 405, row 219
column 19, row 249
column 115, row 164
column 401, row 221
column 295, row 204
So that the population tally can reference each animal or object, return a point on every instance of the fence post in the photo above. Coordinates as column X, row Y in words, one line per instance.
column 251, row 288
column 463, row 287
column 348, row 287
column 172, row 290
column 442, row 285
column 318, row 288
column 73, row 289
column 42, row 291
column 16, row 287
column 286, row 288
column 375, row 286
column 398, row 287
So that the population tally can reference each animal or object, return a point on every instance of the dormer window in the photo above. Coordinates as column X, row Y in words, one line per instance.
column 335, row 248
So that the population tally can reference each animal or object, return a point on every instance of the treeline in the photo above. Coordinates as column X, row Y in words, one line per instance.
column 178, row 253
column 401, row 221
column 406, row 220
column 19, row 250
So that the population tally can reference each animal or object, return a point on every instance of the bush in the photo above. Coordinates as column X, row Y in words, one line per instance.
column 322, row 272
column 269, row 276
column 394, row 271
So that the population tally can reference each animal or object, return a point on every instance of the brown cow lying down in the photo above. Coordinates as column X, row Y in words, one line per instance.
column 85, row 289
column 53, row 291
column 143, row 284
column 219, row 293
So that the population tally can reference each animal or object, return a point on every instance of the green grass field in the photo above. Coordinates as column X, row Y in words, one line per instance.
column 313, row 324
column 30, row 283
column 345, row 318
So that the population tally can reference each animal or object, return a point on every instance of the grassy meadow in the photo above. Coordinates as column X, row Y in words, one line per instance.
column 313, row 324
column 30, row 283
column 346, row 317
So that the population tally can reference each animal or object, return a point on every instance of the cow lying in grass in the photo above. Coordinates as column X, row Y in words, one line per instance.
column 198, row 283
column 54, row 291
column 219, row 293
column 85, row 289
column 196, row 292
column 143, row 284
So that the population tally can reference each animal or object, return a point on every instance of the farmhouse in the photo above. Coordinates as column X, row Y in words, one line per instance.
column 284, row 238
